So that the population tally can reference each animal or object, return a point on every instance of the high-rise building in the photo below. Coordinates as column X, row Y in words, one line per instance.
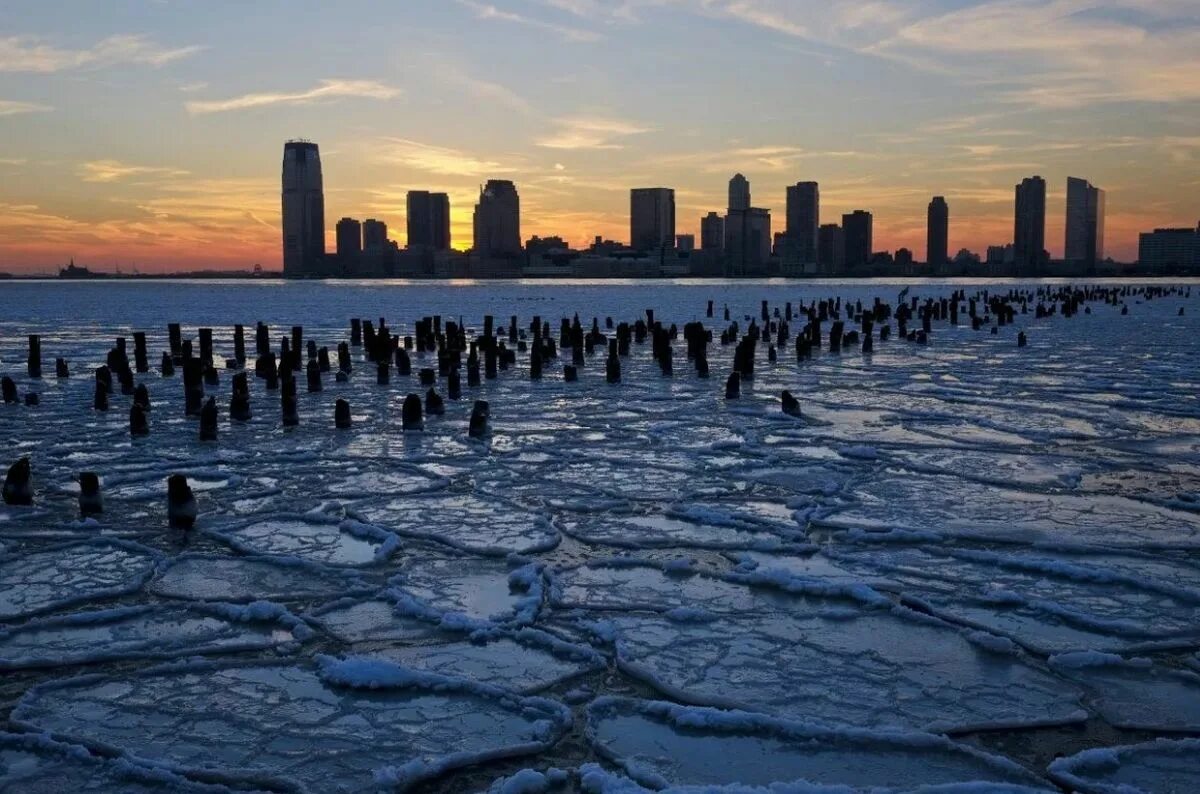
column 1085, row 223
column 651, row 218
column 685, row 242
column 739, row 193
column 1029, row 228
column 803, row 219
column 712, row 233
column 937, row 233
column 374, row 235
column 428, row 220
column 303, row 210
column 831, row 249
column 349, row 240
column 747, row 239
column 498, row 220
column 858, row 238
column 1169, row 249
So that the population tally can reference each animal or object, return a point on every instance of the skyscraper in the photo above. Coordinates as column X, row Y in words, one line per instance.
column 1029, row 227
column 374, row 235
column 498, row 220
column 739, row 193
column 428, row 220
column 349, row 240
column 651, row 218
column 712, row 233
column 937, row 233
column 1085, row 223
column 303, row 210
column 831, row 249
column 859, row 238
column 803, row 219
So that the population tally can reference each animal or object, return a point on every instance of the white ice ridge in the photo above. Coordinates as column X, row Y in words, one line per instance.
column 339, row 726
column 60, row 576
column 1163, row 766
column 1135, row 693
column 149, row 632
column 210, row 577
column 469, row 593
column 308, row 537
column 466, row 522
column 666, row 746
column 31, row 763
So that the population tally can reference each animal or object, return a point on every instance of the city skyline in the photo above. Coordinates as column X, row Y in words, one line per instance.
column 147, row 134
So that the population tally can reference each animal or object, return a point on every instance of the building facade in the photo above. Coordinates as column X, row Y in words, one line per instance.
column 1029, row 225
column 803, row 220
column 497, row 220
column 349, row 240
column 1165, row 250
column 859, row 238
column 739, row 193
column 831, row 249
column 303, row 210
column 428, row 220
column 712, row 233
column 652, row 219
column 1085, row 223
column 937, row 233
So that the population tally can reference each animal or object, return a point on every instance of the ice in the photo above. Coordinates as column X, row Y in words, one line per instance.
column 336, row 731
column 309, row 538
column 373, row 620
column 659, row 744
column 1135, row 693
column 207, row 577
column 648, row 531
column 839, row 664
column 955, row 507
column 531, row 781
column 480, row 526
column 470, row 592
column 65, row 575
column 1163, row 766
column 35, row 764
column 626, row 584
column 142, row 633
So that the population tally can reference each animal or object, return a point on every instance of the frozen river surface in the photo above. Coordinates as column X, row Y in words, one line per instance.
column 966, row 566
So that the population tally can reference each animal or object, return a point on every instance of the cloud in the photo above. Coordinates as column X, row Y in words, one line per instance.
column 10, row 107
column 488, row 11
column 590, row 132
column 484, row 89
column 33, row 54
column 326, row 89
column 440, row 159
column 115, row 171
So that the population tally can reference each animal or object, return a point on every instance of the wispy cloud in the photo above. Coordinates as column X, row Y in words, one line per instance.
column 115, row 171
column 440, row 159
column 590, row 132
column 10, row 107
column 34, row 54
column 326, row 89
column 490, row 12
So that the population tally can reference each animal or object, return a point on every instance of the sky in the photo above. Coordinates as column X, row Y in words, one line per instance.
column 148, row 134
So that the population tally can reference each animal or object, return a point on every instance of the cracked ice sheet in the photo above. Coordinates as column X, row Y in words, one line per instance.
column 626, row 584
column 1135, row 693
column 57, row 577
column 465, row 522
column 841, row 665
column 1163, row 766
column 657, row 531
column 309, row 538
column 1049, row 602
column 331, row 730
column 468, row 590
column 210, row 577
column 955, row 507
column 373, row 620
column 661, row 744
column 146, row 632
column 34, row 764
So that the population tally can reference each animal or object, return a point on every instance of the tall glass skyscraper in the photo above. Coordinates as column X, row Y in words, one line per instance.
column 303, row 210
column 1085, row 222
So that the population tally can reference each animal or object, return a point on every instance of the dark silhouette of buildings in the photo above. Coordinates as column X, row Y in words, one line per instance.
column 428, row 220
column 1029, row 228
column 1169, row 250
column 374, row 234
column 712, row 233
column 498, row 220
column 652, row 219
column 937, row 233
column 831, row 249
column 303, row 210
column 349, row 241
column 739, row 193
column 859, row 237
column 747, row 231
column 803, row 220
column 1085, row 223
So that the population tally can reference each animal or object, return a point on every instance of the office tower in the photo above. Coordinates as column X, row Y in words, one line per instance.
column 747, row 239
column 1169, row 249
column 651, row 218
column 712, row 232
column 1029, row 228
column 303, row 210
column 739, row 193
column 803, row 219
column 374, row 234
column 856, row 227
column 1085, row 223
column 428, row 220
column 831, row 248
column 349, row 240
column 498, row 220
column 685, row 242
column 937, row 233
